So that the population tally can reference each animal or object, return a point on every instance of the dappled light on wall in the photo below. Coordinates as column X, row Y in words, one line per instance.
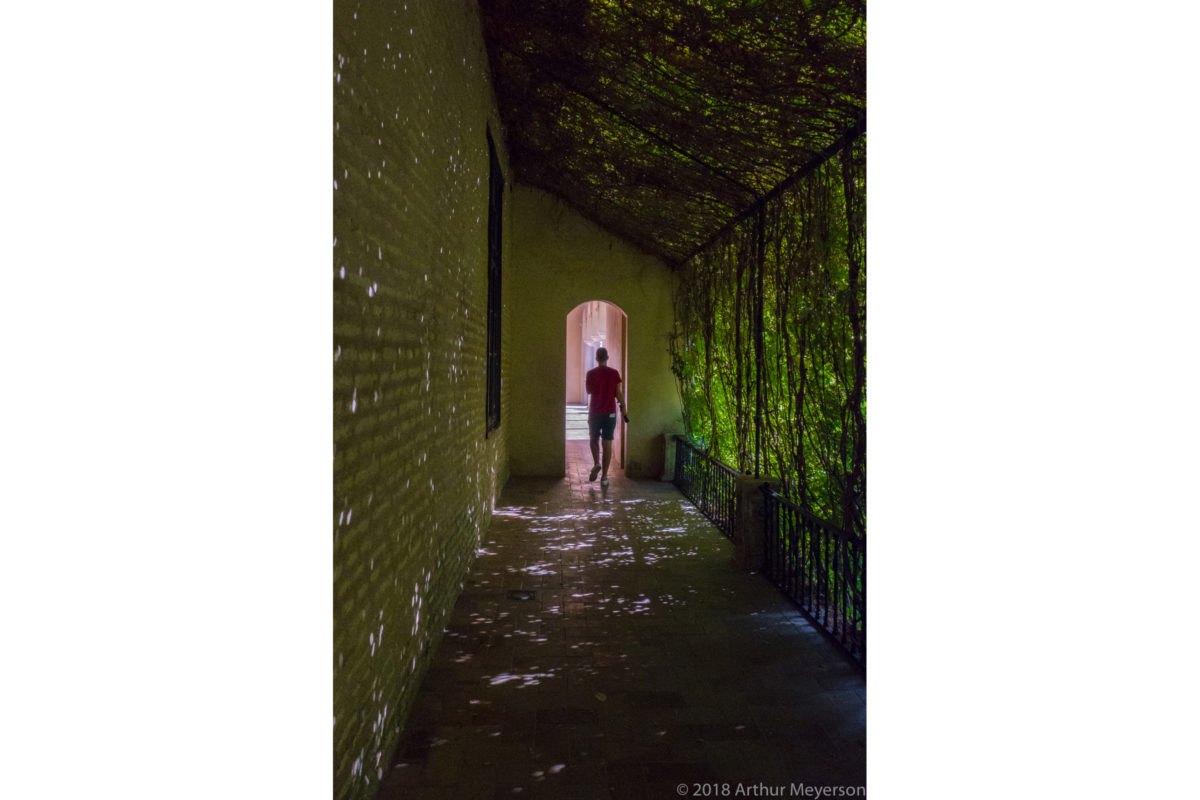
column 414, row 476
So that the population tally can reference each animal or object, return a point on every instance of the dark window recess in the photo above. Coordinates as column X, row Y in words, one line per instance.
column 495, row 225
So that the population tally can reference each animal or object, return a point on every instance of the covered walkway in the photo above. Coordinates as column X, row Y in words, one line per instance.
column 605, row 646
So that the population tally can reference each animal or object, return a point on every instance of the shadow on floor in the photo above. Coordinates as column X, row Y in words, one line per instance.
column 605, row 646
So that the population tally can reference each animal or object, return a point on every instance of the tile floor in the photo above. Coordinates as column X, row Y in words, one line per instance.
column 605, row 646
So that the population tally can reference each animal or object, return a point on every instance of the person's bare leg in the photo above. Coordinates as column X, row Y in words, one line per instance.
column 607, row 458
column 595, row 443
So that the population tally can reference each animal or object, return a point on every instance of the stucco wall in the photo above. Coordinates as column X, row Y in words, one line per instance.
column 560, row 260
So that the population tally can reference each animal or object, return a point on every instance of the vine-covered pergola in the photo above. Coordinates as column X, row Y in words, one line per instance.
column 728, row 138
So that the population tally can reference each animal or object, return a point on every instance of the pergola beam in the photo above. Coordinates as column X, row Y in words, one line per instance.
column 856, row 130
column 713, row 169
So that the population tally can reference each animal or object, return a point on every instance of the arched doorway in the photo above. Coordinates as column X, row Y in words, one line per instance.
column 590, row 326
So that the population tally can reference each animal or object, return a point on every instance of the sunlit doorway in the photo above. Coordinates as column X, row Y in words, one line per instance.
column 590, row 326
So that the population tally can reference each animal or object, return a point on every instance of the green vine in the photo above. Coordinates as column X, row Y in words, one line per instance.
column 811, row 381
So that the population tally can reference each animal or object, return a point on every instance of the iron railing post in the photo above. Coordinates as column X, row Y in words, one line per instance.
column 759, row 358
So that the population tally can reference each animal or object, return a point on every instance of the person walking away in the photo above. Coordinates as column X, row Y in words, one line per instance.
column 604, row 397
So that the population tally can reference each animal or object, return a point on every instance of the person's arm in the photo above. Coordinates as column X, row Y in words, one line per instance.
column 621, row 403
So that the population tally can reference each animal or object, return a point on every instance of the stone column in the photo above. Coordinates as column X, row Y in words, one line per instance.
column 669, row 457
column 749, row 544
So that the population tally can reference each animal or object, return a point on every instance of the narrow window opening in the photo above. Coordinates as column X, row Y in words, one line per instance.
column 495, row 225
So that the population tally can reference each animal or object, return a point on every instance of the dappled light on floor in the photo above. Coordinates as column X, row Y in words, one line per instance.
column 605, row 645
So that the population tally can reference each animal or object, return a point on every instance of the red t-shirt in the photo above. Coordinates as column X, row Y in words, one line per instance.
column 602, row 386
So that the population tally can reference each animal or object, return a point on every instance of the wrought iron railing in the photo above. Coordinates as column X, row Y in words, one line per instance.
column 709, row 484
column 813, row 562
column 821, row 568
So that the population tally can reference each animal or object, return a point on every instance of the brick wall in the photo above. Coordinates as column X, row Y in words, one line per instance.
column 414, row 475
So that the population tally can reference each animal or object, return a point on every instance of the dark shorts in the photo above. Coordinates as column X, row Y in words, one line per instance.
column 602, row 425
